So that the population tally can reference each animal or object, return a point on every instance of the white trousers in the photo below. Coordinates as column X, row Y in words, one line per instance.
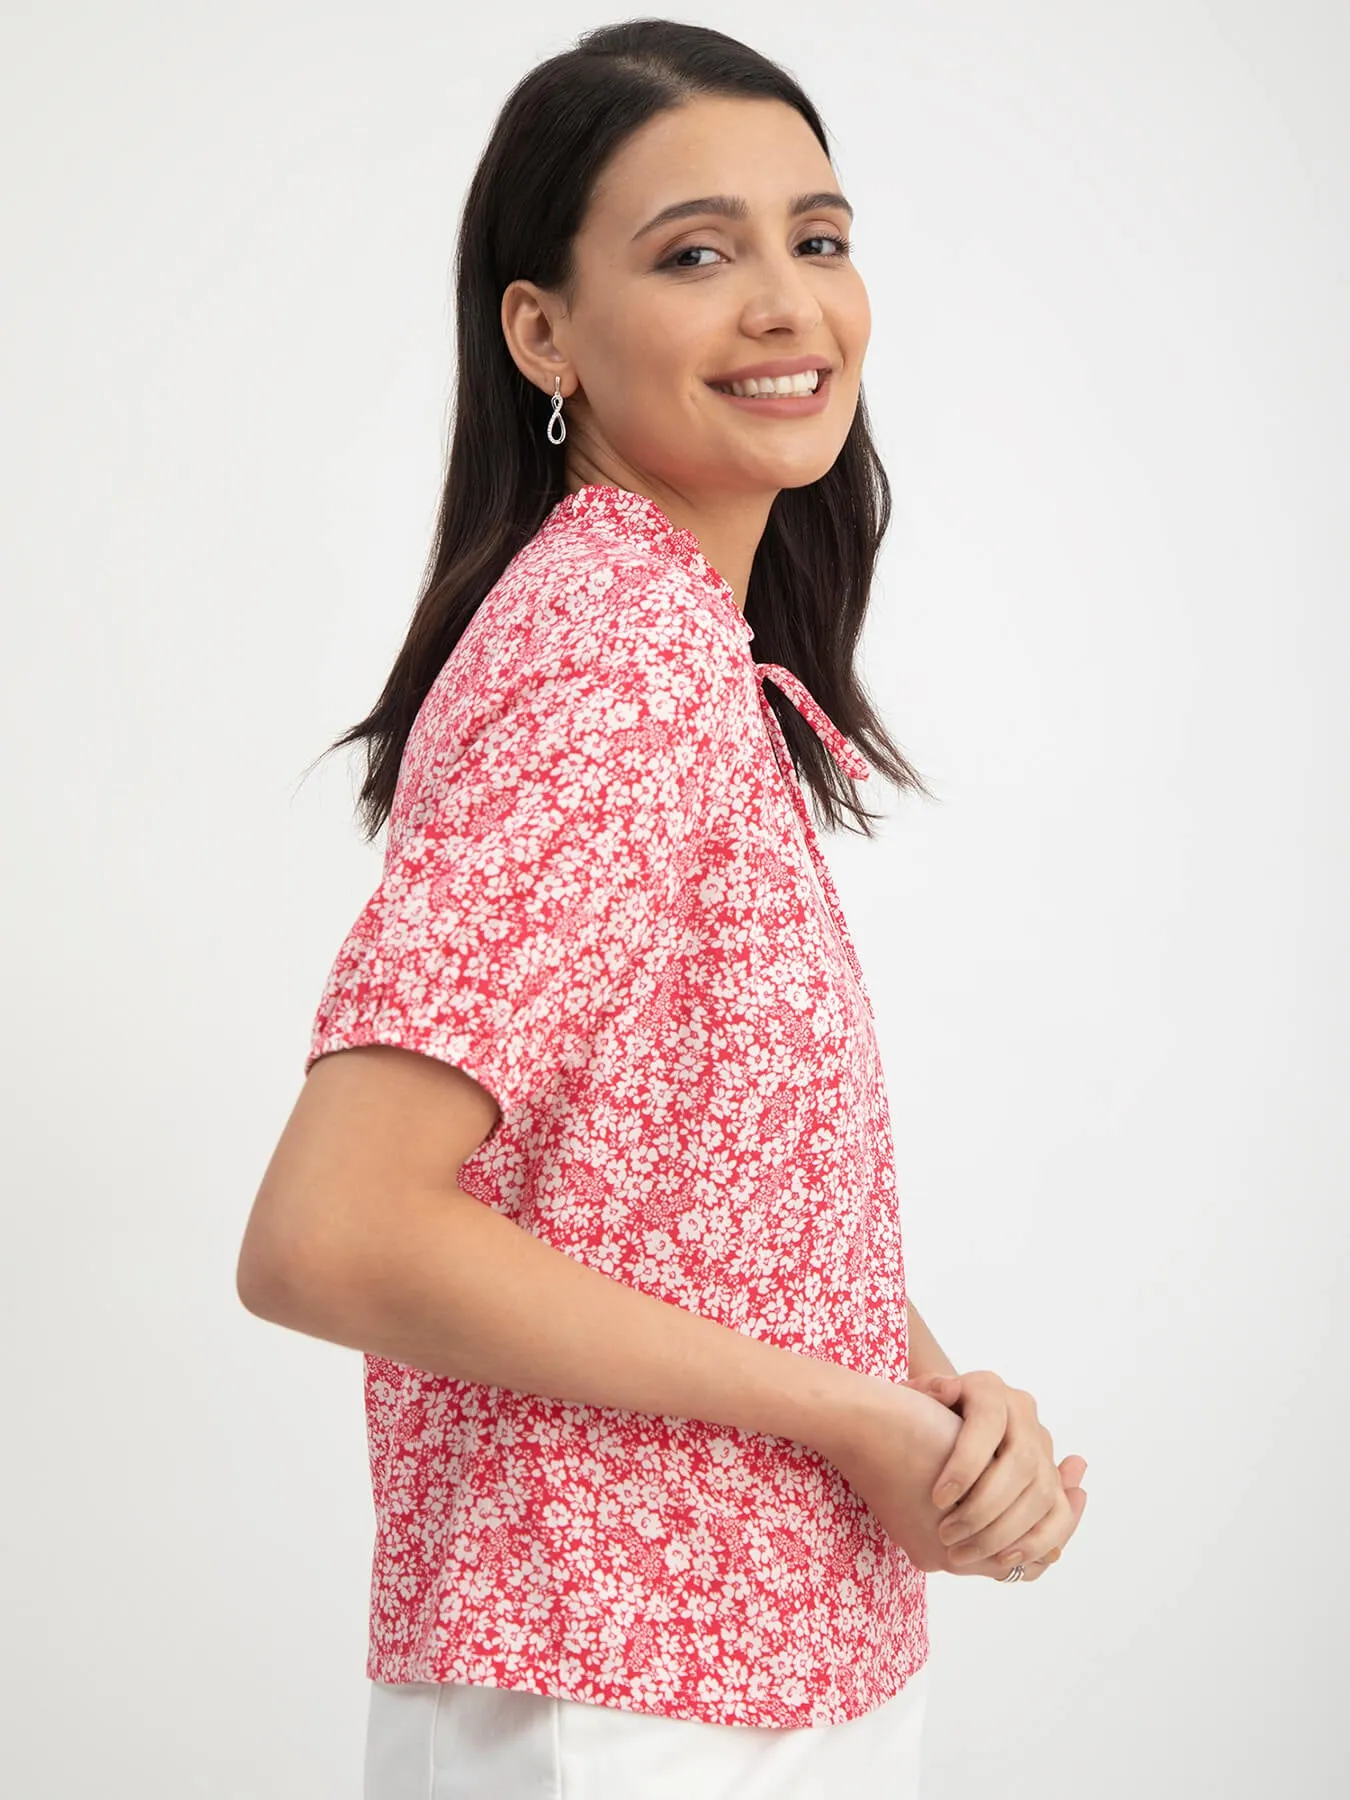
column 430, row 1740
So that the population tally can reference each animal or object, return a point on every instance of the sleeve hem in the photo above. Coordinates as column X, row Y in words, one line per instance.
column 425, row 1043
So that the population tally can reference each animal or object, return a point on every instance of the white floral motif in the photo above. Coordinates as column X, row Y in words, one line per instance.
column 602, row 898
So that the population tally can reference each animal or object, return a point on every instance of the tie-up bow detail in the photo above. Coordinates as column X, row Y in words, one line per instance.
column 848, row 757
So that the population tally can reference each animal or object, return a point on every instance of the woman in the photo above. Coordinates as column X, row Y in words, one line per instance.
column 593, row 1159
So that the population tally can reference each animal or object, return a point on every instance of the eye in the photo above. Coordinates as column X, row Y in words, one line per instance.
column 672, row 262
column 842, row 247
column 842, row 244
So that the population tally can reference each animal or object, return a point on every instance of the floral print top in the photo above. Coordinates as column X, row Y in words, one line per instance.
column 604, row 899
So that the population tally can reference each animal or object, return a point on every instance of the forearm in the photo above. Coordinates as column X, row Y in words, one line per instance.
column 926, row 1355
column 463, row 1291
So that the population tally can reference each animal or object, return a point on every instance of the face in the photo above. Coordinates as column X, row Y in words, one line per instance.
column 663, row 310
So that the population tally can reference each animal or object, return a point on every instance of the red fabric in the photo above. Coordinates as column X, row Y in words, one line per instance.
column 603, row 897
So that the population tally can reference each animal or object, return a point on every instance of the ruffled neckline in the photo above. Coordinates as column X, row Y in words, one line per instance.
column 638, row 516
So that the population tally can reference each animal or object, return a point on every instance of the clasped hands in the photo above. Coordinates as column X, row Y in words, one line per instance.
column 1006, row 1499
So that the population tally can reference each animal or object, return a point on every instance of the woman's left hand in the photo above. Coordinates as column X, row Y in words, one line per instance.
column 1001, row 1487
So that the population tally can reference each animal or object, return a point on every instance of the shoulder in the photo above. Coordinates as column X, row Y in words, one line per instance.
column 585, row 633
column 579, row 596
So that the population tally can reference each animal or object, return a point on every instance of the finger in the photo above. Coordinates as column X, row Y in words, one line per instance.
column 996, row 1571
column 946, row 1388
column 1045, row 1541
column 1013, row 1469
column 1050, row 1535
column 1032, row 1568
column 1037, row 1566
column 1011, row 1531
column 990, row 1516
column 983, row 1428
column 1076, row 1499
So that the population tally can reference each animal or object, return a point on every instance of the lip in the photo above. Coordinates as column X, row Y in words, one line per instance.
column 782, row 406
column 785, row 365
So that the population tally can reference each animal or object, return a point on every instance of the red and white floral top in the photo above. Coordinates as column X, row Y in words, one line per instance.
column 603, row 897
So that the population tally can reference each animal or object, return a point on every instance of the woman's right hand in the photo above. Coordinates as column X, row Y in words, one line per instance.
column 890, row 1448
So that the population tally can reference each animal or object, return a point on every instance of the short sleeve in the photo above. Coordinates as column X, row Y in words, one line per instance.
column 532, row 873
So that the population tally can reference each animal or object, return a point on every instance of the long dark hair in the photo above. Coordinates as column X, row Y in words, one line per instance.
column 812, row 573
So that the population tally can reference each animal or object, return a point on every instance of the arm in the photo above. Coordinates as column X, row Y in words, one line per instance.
column 360, row 1236
column 926, row 1355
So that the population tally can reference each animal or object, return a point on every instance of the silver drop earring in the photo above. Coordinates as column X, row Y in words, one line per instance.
column 557, row 418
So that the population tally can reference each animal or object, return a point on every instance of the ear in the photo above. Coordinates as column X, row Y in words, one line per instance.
column 531, row 319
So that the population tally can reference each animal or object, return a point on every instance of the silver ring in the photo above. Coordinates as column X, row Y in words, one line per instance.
column 1014, row 1574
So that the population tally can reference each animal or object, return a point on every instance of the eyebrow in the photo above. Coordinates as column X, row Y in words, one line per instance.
column 732, row 206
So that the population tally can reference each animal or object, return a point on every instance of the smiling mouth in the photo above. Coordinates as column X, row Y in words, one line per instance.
column 785, row 387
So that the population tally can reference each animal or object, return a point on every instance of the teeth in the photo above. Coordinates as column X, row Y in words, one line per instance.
column 782, row 384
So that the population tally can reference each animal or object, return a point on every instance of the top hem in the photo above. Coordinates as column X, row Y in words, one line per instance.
column 708, row 1707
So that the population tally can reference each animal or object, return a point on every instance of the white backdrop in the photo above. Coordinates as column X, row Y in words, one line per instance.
column 1109, row 262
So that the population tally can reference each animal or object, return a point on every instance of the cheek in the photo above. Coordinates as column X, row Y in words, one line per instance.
column 664, row 343
column 647, row 383
column 856, row 316
column 637, row 363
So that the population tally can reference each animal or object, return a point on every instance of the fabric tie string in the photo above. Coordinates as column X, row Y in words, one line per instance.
column 850, row 759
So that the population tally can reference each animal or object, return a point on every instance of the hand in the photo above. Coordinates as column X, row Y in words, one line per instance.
column 1071, row 1472
column 1001, row 1491
column 891, row 1441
